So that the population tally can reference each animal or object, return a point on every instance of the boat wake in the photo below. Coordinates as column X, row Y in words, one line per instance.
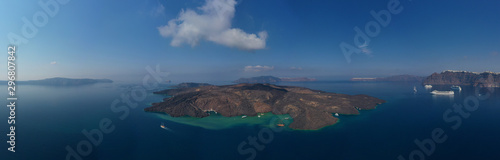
column 168, row 129
column 162, row 126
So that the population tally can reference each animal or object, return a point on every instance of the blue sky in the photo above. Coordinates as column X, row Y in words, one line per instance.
column 199, row 40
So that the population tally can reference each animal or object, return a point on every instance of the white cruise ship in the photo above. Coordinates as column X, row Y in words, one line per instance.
column 436, row 92
column 456, row 88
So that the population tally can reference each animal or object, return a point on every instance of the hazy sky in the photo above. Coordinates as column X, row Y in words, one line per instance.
column 201, row 40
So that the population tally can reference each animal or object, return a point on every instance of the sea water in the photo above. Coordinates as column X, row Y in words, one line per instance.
column 49, row 119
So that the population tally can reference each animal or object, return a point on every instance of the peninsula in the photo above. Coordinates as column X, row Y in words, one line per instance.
column 310, row 109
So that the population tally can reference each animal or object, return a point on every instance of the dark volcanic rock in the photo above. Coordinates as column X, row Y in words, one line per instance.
column 485, row 79
column 310, row 109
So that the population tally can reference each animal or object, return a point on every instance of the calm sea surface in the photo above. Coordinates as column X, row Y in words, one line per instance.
column 49, row 119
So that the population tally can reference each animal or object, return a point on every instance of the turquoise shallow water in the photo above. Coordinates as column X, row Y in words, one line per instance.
column 51, row 118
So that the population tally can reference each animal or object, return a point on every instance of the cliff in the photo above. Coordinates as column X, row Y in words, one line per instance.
column 484, row 79
column 310, row 109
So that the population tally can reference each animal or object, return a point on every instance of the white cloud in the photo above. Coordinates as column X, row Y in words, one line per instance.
column 53, row 62
column 211, row 23
column 158, row 10
column 258, row 68
column 495, row 53
column 364, row 48
column 366, row 51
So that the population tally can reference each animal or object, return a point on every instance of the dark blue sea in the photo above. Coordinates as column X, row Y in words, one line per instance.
column 50, row 121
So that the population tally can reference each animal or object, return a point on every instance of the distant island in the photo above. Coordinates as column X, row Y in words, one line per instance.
column 397, row 78
column 58, row 81
column 449, row 77
column 297, row 79
column 484, row 79
column 272, row 79
column 190, row 85
column 310, row 109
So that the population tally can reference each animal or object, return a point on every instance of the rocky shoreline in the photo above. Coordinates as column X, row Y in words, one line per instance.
column 310, row 109
column 464, row 78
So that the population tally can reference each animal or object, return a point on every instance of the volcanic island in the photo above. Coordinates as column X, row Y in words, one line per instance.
column 309, row 109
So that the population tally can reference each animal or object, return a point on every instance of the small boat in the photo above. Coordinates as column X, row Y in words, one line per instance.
column 458, row 88
column 414, row 89
column 280, row 125
column 428, row 86
column 436, row 92
column 286, row 117
column 258, row 116
column 163, row 126
column 243, row 117
column 337, row 114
